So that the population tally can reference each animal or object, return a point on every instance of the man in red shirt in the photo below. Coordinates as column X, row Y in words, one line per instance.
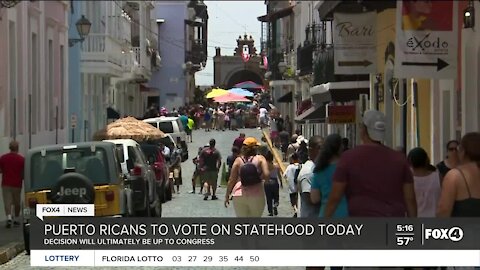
column 238, row 142
column 376, row 180
column 11, row 168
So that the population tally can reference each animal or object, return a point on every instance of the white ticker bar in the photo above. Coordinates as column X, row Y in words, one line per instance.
column 348, row 258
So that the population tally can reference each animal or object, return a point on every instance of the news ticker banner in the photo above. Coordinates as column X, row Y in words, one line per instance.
column 87, row 233
column 94, row 241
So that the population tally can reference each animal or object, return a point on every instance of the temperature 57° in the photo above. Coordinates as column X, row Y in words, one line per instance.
column 404, row 240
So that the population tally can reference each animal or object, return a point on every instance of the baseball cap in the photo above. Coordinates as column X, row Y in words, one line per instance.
column 375, row 123
column 251, row 141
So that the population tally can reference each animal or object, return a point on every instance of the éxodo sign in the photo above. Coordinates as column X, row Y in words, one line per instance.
column 355, row 39
column 427, row 40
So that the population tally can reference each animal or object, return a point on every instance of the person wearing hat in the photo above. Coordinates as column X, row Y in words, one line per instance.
column 376, row 179
column 248, row 200
column 292, row 147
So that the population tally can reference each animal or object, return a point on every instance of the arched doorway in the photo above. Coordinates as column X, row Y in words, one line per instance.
column 242, row 76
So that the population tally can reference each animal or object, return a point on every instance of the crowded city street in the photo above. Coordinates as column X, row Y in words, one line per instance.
column 316, row 135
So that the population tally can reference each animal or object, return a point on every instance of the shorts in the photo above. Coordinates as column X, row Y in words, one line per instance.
column 188, row 131
column 294, row 198
column 210, row 177
column 263, row 120
column 11, row 196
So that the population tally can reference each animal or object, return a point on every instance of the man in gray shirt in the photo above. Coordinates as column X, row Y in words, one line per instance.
column 307, row 209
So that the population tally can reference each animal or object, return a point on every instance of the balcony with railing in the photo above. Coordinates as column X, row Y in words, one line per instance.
column 102, row 54
column 197, row 54
column 305, row 59
column 324, row 67
column 119, row 28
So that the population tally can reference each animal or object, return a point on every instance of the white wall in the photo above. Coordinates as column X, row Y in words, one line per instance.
column 470, row 76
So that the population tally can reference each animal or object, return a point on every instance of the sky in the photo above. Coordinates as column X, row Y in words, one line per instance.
column 227, row 20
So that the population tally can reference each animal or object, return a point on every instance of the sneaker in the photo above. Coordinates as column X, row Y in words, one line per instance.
column 295, row 215
column 275, row 211
column 192, row 192
column 270, row 214
column 205, row 198
column 16, row 223
column 9, row 224
column 214, row 197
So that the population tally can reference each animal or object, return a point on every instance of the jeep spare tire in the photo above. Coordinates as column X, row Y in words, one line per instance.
column 73, row 188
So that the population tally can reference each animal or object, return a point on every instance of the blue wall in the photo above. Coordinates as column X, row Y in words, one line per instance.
column 74, row 78
column 171, row 34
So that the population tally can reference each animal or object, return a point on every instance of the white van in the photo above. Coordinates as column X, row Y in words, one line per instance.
column 174, row 127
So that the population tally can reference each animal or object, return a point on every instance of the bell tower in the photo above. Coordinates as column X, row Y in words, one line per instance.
column 248, row 41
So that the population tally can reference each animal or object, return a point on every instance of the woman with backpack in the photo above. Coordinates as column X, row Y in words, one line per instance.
column 249, row 171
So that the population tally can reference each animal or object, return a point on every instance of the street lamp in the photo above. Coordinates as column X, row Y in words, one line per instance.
column 469, row 16
column 83, row 28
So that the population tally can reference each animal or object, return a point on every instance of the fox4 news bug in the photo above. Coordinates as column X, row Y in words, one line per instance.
column 453, row 234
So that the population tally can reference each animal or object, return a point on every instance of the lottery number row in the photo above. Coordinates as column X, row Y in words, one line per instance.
column 210, row 259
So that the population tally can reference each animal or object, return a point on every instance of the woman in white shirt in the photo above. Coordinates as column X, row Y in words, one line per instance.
column 426, row 182
column 291, row 174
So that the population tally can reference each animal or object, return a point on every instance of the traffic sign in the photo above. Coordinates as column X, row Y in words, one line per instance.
column 426, row 40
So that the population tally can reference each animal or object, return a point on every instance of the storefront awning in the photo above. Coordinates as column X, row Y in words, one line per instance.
column 287, row 98
column 316, row 114
column 339, row 91
column 276, row 15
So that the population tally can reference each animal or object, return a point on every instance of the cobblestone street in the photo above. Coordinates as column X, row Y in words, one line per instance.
column 193, row 205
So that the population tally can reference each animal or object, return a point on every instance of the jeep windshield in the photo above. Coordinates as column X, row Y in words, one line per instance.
column 46, row 169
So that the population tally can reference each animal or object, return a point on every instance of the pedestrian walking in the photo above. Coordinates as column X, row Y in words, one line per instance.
column 262, row 117
column 302, row 151
column 272, row 185
column 210, row 160
column 451, row 160
column 249, row 171
column 238, row 142
column 325, row 166
column 175, row 167
column 376, row 179
column 426, row 181
column 207, row 118
column 460, row 196
column 284, row 142
column 231, row 159
column 291, row 175
column 196, row 172
column 292, row 147
column 189, row 130
column 309, row 209
column 11, row 168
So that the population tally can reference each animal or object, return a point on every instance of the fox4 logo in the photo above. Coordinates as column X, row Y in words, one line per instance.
column 453, row 234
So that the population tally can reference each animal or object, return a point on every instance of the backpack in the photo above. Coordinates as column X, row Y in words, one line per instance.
column 209, row 159
column 249, row 174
